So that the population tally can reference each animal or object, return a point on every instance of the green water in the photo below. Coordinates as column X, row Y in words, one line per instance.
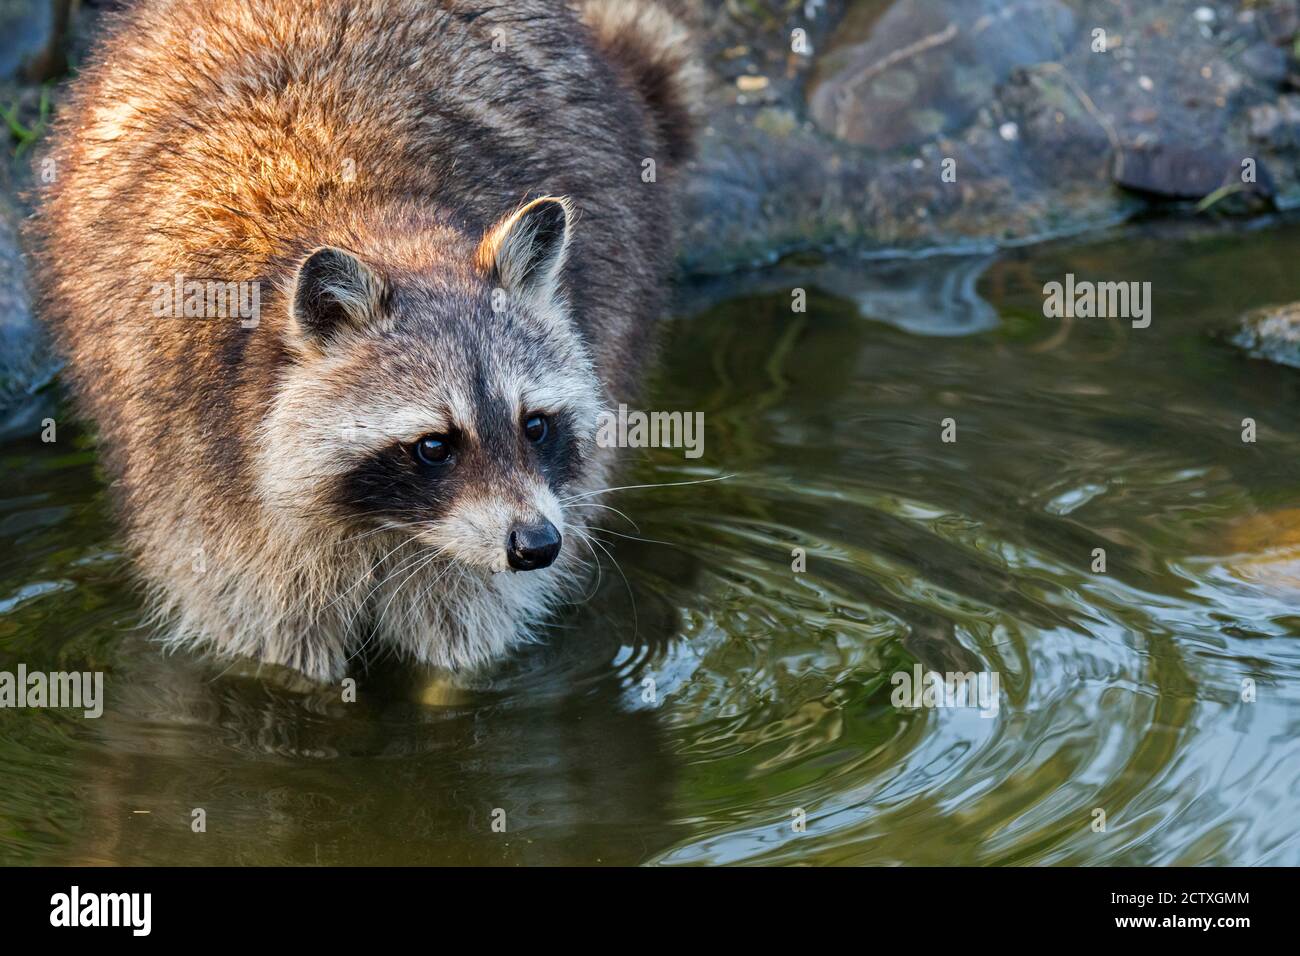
column 684, row 715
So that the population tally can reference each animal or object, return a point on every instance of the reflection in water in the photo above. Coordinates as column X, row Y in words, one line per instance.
column 934, row 295
column 709, row 689
column 302, row 777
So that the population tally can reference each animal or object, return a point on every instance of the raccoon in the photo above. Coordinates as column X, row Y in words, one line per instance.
column 344, row 285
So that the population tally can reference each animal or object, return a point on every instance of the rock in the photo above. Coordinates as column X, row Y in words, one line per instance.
column 25, row 363
column 1279, row 21
column 928, row 66
column 1264, row 121
column 1277, row 125
column 968, row 124
column 1266, row 63
column 32, row 33
column 1272, row 333
column 1175, row 172
column 1264, row 550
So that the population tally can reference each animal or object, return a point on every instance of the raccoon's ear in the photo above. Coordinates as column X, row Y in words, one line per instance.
column 334, row 291
column 526, row 250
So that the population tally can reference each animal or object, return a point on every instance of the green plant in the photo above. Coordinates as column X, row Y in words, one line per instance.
column 26, row 136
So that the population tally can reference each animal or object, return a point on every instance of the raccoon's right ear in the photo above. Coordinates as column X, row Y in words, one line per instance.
column 525, row 251
column 334, row 291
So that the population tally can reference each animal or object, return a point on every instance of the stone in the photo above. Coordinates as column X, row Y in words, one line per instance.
column 1271, row 333
column 1011, row 98
column 1180, row 173
column 25, row 362
column 1264, row 121
column 931, row 57
column 1266, row 63
column 1279, row 20
column 31, row 38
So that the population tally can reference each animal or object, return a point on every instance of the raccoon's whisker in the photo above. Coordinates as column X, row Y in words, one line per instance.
column 636, row 624
column 307, row 592
column 632, row 537
column 364, row 603
column 592, row 504
column 382, row 528
column 401, row 565
column 423, row 561
column 438, row 552
column 374, row 567
column 419, row 599
column 664, row 484
column 380, row 580
column 600, row 570
column 393, row 529
column 226, row 670
column 429, row 559
column 600, row 574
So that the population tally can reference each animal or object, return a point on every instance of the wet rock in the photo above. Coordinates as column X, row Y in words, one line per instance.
column 1264, row 550
column 1175, row 172
column 1272, row 333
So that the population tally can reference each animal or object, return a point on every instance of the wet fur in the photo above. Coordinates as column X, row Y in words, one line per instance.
column 216, row 141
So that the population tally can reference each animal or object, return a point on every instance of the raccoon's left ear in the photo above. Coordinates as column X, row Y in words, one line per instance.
column 525, row 251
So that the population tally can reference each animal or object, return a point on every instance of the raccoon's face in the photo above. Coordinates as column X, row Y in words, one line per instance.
column 456, row 406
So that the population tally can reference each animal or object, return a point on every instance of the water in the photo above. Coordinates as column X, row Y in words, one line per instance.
column 1119, row 692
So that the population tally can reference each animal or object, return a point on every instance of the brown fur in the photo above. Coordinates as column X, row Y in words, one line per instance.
column 227, row 140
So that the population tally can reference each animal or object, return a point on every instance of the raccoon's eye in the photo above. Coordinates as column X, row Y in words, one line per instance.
column 432, row 450
column 536, row 428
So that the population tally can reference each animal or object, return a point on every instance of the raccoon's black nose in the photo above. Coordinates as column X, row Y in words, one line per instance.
column 533, row 546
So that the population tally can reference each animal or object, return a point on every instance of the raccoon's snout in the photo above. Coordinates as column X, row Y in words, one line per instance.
column 534, row 546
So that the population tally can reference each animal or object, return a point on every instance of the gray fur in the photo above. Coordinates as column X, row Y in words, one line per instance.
column 258, row 466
